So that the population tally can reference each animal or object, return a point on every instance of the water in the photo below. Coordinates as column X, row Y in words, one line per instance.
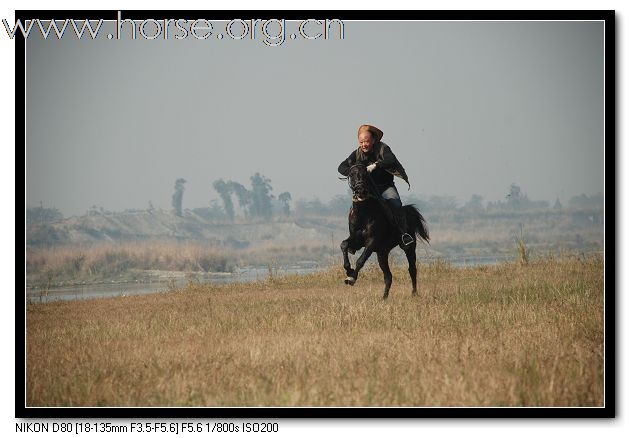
column 247, row 274
column 79, row 292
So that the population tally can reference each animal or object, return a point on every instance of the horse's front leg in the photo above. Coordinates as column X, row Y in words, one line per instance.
column 369, row 249
column 346, row 260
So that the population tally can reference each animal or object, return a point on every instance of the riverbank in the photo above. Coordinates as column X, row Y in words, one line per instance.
column 161, row 281
column 146, row 262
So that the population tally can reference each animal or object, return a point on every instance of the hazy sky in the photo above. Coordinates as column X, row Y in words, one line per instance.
column 467, row 107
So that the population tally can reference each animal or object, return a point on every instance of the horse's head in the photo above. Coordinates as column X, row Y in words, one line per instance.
column 358, row 181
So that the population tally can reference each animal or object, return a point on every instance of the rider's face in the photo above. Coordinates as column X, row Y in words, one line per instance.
column 366, row 141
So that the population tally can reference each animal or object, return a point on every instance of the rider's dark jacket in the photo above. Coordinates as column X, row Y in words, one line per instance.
column 387, row 165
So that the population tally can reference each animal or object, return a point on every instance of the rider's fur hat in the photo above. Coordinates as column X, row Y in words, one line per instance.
column 377, row 134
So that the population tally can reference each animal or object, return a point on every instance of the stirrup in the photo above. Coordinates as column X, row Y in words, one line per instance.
column 408, row 239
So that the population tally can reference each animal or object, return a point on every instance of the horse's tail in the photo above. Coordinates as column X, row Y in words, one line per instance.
column 416, row 221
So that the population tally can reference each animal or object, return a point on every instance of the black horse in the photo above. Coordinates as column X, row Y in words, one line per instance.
column 372, row 225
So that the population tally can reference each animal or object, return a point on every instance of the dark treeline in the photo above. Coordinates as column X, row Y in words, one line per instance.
column 515, row 200
column 258, row 202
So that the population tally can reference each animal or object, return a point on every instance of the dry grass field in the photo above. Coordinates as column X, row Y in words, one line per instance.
column 504, row 335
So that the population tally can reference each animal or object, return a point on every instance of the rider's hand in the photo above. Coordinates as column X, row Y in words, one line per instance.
column 371, row 167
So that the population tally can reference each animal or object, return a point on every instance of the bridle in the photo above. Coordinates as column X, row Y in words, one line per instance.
column 370, row 189
column 350, row 170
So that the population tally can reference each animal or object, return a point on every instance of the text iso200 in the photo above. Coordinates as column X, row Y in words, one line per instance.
column 260, row 427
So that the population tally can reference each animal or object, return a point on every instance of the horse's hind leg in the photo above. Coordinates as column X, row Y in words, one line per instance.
column 387, row 274
column 410, row 252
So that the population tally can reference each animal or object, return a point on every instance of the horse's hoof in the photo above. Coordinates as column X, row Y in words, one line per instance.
column 350, row 281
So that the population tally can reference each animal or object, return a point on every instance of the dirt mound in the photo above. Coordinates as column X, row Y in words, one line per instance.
column 164, row 225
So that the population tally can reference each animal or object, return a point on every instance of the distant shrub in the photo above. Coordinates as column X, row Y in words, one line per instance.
column 42, row 215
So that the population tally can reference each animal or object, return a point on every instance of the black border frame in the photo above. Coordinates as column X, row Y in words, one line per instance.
column 610, row 343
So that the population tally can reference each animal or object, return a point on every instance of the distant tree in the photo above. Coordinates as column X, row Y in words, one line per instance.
column 225, row 192
column 475, row 203
column 515, row 198
column 587, row 201
column 340, row 204
column 257, row 202
column 420, row 202
column 178, row 196
column 284, row 198
column 261, row 196
column 578, row 201
column 243, row 195
column 442, row 203
column 539, row 204
column 42, row 215
column 557, row 205
column 309, row 207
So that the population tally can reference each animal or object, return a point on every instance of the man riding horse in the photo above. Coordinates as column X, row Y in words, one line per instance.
column 382, row 165
column 378, row 222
